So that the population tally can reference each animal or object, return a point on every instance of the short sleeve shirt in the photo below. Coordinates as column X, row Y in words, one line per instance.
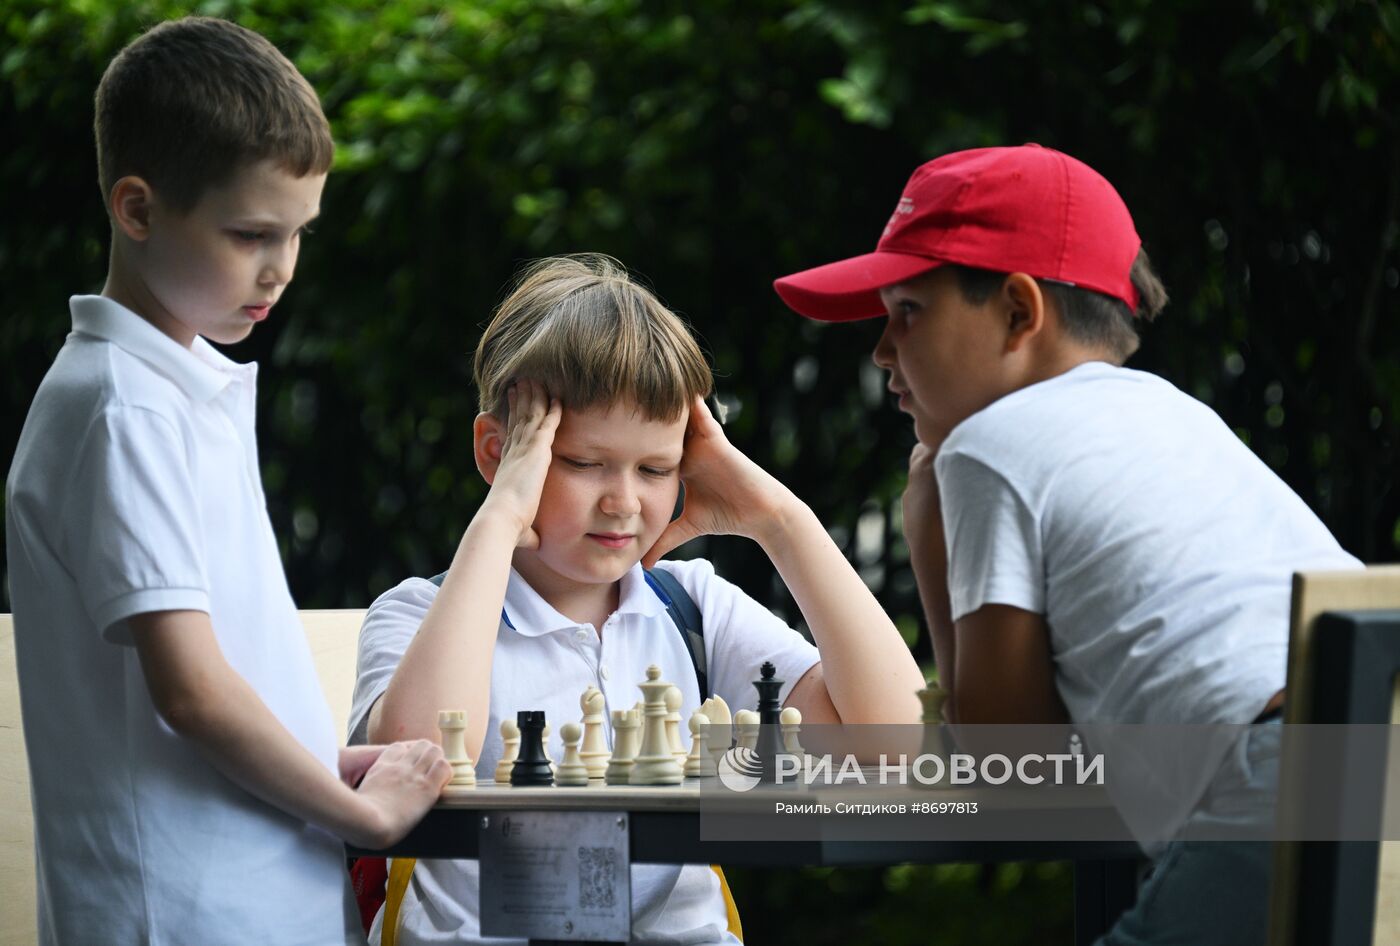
column 134, row 489
column 1159, row 549
column 544, row 661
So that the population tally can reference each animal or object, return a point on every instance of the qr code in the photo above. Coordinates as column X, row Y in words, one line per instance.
column 597, row 866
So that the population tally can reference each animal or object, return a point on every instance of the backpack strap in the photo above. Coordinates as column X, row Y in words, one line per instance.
column 686, row 616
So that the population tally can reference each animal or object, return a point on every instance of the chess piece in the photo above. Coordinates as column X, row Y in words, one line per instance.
column 769, row 744
column 699, row 764
column 655, row 764
column 532, row 766
column 935, row 738
column 719, row 737
column 544, row 744
column 673, row 723
column 595, row 747
column 935, row 741
column 510, row 736
column 571, row 771
column 627, row 726
column 791, row 720
column 453, row 726
column 746, row 725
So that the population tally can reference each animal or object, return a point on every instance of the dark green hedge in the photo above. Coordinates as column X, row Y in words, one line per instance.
column 712, row 146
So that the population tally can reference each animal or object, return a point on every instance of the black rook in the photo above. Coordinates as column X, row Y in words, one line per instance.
column 532, row 765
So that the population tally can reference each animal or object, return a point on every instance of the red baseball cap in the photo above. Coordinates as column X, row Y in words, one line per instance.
column 1027, row 209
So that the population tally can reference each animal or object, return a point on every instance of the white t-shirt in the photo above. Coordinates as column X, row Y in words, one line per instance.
column 1158, row 548
column 135, row 488
column 544, row 661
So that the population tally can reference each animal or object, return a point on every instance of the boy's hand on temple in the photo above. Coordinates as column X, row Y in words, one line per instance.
column 525, row 455
column 726, row 493
column 404, row 781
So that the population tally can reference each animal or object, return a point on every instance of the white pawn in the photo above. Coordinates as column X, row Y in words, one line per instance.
column 595, row 747
column 673, row 723
column 572, row 771
column 746, row 722
column 791, row 721
column 655, row 763
column 699, row 764
column 510, row 735
column 720, row 733
column 453, row 726
column 627, row 726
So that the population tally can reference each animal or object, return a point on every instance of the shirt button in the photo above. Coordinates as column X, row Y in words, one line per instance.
column 603, row 672
column 581, row 634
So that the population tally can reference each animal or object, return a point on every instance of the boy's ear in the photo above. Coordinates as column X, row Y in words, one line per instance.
column 488, row 435
column 130, row 207
column 1025, row 307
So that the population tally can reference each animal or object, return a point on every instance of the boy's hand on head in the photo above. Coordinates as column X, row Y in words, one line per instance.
column 526, row 455
column 404, row 781
column 726, row 493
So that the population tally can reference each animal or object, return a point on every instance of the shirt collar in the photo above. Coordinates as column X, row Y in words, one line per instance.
column 200, row 371
column 531, row 615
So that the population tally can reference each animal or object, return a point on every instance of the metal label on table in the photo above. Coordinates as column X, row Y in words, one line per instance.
column 556, row 875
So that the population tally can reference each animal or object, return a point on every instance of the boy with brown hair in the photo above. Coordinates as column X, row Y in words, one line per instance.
column 1090, row 543
column 185, row 775
column 591, row 417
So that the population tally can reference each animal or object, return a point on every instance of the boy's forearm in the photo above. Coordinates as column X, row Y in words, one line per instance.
column 218, row 711
column 869, row 672
column 928, row 559
column 448, row 663
column 922, row 514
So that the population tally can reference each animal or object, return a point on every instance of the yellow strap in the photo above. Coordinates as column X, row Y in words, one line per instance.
column 401, row 869
column 730, row 908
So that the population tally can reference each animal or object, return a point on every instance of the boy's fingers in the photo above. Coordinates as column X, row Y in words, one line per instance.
column 355, row 761
column 439, row 773
column 701, row 420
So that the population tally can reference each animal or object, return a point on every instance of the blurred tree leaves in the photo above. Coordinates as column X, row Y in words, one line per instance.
column 712, row 147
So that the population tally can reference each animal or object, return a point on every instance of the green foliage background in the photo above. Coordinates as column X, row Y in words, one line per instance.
column 712, row 146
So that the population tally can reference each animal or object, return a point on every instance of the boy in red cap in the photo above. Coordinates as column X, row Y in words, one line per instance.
column 1090, row 544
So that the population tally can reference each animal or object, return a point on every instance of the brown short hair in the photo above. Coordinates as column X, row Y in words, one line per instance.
column 1088, row 317
column 192, row 100
column 585, row 329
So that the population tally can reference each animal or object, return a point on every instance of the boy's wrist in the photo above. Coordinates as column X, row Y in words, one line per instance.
column 782, row 523
column 496, row 515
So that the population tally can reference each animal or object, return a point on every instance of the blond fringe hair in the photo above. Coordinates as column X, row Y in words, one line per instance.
column 586, row 330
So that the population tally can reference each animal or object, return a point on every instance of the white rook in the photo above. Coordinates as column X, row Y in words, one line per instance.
column 453, row 726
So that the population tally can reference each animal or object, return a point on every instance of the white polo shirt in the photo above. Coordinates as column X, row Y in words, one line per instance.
column 135, row 488
column 544, row 661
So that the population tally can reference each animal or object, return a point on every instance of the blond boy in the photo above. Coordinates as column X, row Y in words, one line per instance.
column 186, row 781
column 591, row 415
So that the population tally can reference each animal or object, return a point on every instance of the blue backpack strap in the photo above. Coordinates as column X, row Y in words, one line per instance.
column 437, row 580
column 686, row 616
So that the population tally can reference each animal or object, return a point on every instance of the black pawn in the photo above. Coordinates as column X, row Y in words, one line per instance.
column 531, row 766
column 770, row 737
